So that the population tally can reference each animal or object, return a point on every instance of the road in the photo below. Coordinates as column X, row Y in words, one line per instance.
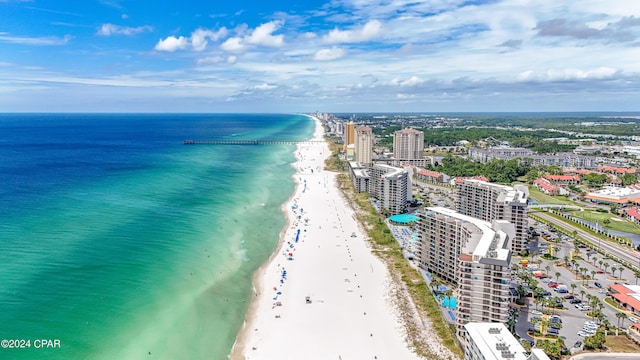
column 630, row 256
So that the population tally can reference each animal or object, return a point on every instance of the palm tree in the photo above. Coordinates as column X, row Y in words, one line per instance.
column 573, row 288
column 594, row 260
column 613, row 271
column 448, row 294
column 606, row 266
column 548, row 268
column 535, row 321
column 557, row 275
column 566, row 260
column 621, row 316
column 555, row 250
column 620, row 269
column 593, row 274
column 637, row 275
column 588, row 256
column 582, row 292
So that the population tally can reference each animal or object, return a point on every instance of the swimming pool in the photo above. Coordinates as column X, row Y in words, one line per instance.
column 450, row 302
column 403, row 218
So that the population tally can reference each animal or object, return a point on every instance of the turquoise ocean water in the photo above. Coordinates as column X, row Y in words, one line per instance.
column 123, row 243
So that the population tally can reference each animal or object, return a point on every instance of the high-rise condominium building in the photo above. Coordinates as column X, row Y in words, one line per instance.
column 408, row 144
column 349, row 134
column 473, row 254
column 488, row 201
column 363, row 145
column 390, row 185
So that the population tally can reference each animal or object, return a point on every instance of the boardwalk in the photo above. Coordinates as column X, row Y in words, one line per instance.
column 249, row 142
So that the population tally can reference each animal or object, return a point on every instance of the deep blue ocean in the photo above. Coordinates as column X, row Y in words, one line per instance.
column 121, row 242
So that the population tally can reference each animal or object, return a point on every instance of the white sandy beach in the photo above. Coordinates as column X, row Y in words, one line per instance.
column 350, row 314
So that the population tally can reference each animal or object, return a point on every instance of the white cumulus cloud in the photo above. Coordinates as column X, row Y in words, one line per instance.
column 172, row 43
column 263, row 35
column 369, row 31
column 112, row 29
column 329, row 54
column 233, row 44
column 200, row 36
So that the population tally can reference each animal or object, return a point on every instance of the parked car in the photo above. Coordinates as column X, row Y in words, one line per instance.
column 597, row 284
column 578, row 344
column 568, row 297
column 575, row 301
column 536, row 312
column 553, row 331
column 553, row 284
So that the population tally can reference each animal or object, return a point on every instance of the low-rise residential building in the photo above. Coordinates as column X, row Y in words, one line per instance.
column 633, row 214
column 432, row 176
column 548, row 188
column 563, row 179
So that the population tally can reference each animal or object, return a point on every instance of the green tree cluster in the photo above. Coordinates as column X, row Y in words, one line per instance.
column 500, row 171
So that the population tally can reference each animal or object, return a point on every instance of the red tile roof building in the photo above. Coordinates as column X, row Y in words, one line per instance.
column 633, row 214
column 564, row 179
column 616, row 170
column 546, row 187
column 430, row 176
column 628, row 296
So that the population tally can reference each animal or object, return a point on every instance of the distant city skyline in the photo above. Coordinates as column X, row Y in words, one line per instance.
column 332, row 56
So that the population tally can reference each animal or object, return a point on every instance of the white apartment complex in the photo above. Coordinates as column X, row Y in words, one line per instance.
column 493, row 341
column 363, row 142
column 472, row 253
column 391, row 186
column 489, row 201
column 408, row 144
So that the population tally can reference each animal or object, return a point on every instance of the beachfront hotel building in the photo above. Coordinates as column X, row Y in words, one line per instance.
column 408, row 144
column 391, row 186
column 472, row 253
column 489, row 201
column 359, row 174
column 363, row 142
column 349, row 134
column 493, row 341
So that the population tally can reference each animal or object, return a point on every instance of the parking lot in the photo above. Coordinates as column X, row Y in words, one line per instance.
column 573, row 320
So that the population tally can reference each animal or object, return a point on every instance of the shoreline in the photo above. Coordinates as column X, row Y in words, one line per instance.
column 313, row 294
column 237, row 350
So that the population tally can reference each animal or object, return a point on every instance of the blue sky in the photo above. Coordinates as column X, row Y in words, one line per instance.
column 333, row 56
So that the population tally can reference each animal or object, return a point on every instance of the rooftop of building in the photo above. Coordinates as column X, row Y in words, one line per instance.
column 509, row 193
column 486, row 243
column 495, row 342
column 615, row 192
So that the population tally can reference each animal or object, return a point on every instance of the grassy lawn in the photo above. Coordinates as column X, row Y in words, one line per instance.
column 621, row 344
column 543, row 198
column 616, row 223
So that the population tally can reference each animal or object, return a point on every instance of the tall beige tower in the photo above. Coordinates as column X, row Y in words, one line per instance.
column 363, row 144
column 349, row 134
column 408, row 144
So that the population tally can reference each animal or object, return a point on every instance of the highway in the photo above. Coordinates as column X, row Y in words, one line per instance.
column 630, row 256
